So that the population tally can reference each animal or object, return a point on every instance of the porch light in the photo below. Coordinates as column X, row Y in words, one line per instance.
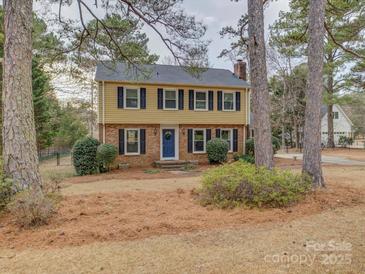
column 155, row 131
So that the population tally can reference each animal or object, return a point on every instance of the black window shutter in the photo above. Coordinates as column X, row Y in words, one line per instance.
column 218, row 133
column 191, row 99
column 142, row 141
column 143, row 98
column 211, row 99
column 219, row 95
column 235, row 140
column 160, row 98
column 121, row 141
column 181, row 99
column 190, row 140
column 238, row 101
column 208, row 134
column 120, row 97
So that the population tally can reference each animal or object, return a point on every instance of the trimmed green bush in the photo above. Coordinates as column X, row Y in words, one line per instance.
column 242, row 184
column 217, row 150
column 84, row 156
column 106, row 155
column 250, row 145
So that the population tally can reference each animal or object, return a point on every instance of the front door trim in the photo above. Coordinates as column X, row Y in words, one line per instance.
column 176, row 128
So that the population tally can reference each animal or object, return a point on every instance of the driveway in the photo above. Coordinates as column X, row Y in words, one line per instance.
column 325, row 159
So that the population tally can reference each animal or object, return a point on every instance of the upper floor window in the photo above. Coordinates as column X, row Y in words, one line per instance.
column 201, row 100
column 170, row 99
column 335, row 115
column 132, row 98
column 132, row 141
column 226, row 134
column 229, row 101
column 199, row 140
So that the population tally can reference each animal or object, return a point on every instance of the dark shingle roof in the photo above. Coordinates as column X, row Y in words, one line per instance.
column 166, row 74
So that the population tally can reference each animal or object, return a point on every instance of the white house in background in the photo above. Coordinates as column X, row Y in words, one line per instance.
column 342, row 125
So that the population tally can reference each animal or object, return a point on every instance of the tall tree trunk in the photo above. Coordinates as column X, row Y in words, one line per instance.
column 283, row 136
column 19, row 141
column 260, row 93
column 312, row 127
column 331, row 134
column 330, row 89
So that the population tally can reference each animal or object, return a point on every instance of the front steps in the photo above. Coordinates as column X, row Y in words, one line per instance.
column 176, row 164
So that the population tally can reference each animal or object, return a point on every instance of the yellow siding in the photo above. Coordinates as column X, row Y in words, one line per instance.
column 152, row 115
column 100, row 103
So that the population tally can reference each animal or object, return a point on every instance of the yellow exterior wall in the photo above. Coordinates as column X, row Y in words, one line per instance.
column 153, row 115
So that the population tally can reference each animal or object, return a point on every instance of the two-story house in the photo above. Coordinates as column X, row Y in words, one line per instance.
column 161, row 112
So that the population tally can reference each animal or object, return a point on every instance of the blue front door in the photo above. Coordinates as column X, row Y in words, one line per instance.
column 168, row 143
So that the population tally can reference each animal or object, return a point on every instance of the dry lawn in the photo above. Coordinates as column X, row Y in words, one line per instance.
column 352, row 154
column 115, row 224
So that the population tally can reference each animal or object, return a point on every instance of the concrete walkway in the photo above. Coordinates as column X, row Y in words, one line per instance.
column 325, row 159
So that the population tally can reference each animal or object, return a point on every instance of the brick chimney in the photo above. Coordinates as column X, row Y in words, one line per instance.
column 240, row 69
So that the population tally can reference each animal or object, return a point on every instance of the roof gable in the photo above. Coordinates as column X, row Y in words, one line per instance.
column 166, row 74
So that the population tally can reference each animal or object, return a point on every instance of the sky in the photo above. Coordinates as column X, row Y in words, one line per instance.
column 215, row 14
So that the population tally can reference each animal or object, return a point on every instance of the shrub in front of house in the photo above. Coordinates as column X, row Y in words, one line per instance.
column 242, row 184
column 105, row 155
column 250, row 145
column 345, row 141
column 31, row 208
column 248, row 158
column 84, row 156
column 217, row 150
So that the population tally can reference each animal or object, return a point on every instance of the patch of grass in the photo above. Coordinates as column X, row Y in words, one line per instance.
column 242, row 184
column 152, row 171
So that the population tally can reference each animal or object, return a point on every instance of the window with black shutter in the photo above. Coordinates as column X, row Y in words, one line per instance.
column 190, row 140
column 218, row 133
column 143, row 98
column 211, row 100
column 120, row 97
column 181, row 99
column 235, row 140
column 238, row 100
column 142, row 141
column 208, row 134
column 121, row 141
column 191, row 99
column 160, row 98
column 219, row 100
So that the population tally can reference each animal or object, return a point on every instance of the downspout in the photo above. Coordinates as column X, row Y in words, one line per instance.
column 103, row 112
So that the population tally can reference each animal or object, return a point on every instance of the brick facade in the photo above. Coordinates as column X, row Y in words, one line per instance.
column 153, row 142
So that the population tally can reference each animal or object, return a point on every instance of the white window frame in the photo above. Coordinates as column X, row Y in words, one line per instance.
column 205, row 140
column 206, row 100
column 231, row 132
column 234, row 100
column 138, row 97
column 334, row 116
column 164, row 97
column 126, row 141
